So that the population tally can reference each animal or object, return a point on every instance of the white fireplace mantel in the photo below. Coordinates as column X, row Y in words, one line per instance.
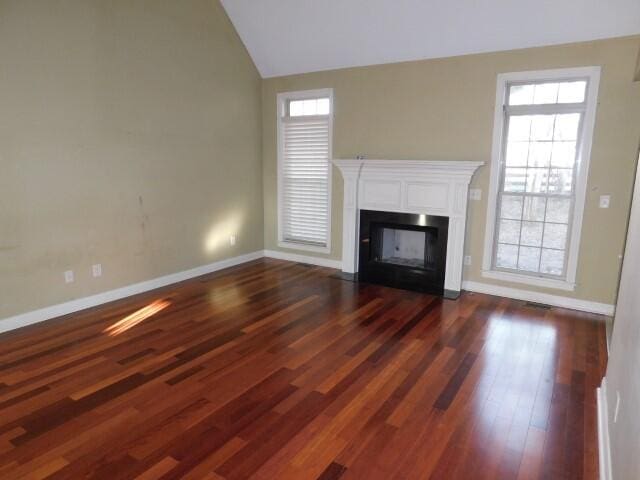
column 410, row 186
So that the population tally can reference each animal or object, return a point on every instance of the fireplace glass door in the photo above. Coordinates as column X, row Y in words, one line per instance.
column 403, row 250
column 404, row 247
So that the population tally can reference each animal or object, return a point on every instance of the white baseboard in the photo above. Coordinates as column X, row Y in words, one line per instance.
column 35, row 316
column 545, row 298
column 604, row 447
column 60, row 309
column 294, row 257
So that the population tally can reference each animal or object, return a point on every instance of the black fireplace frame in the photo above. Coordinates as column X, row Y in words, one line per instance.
column 370, row 270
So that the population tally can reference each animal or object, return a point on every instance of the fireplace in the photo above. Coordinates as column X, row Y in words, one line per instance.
column 429, row 192
column 403, row 250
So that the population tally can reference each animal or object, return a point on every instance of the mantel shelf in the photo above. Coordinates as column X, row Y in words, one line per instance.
column 403, row 167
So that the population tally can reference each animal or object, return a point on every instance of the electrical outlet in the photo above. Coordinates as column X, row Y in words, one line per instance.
column 232, row 240
column 475, row 194
column 605, row 200
column 615, row 414
column 96, row 270
column 68, row 276
column 467, row 260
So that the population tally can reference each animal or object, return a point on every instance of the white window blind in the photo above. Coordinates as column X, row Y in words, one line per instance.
column 304, row 171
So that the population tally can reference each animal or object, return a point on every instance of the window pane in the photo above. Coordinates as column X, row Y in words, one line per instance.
column 507, row 256
column 517, row 154
column 564, row 154
column 552, row 262
column 555, row 235
column 531, row 234
column 560, row 181
column 539, row 154
column 528, row 259
column 572, row 92
column 509, row 231
column 521, row 95
column 537, row 180
column 534, row 208
column 558, row 210
column 511, row 207
column 566, row 127
column 309, row 107
column 323, row 106
column 545, row 93
column 515, row 179
column 542, row 127
column 295, row 108
column 538, row 172
column 519, row 128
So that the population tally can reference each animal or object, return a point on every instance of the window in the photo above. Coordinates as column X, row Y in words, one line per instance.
column 542, row 140
column 304, row 169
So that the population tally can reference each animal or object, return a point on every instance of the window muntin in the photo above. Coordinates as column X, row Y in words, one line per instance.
column 539, row 163
column 304, row 183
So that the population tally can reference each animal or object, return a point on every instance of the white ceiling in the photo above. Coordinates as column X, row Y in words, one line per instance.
column 296, row 36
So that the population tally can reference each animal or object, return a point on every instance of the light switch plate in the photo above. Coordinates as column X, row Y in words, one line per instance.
column 467, row 260
column 475, row 194
column 605, row 200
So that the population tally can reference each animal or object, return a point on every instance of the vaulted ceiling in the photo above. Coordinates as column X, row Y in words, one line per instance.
column 295, row 36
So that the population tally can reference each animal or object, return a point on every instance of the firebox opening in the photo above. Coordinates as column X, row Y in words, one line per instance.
column 405, row 247
column 403, row 250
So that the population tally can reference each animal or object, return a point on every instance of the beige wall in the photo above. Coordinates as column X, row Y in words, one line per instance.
column 622, row 379
column 443, row 110
column 129, row 136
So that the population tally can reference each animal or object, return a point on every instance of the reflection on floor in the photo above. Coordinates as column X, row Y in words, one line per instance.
column 280, row 370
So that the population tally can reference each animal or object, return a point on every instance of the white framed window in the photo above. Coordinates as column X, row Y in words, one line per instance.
column 543, row 129
column 305, row 124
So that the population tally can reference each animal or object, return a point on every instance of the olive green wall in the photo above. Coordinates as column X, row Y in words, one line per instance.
column 443, row 110
column 129, row 136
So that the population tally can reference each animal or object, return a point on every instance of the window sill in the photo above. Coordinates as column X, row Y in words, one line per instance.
column 529, row 280
column 303, row 247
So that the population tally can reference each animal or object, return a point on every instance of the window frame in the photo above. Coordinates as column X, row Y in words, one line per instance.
column 583, row 157
column 282, row 108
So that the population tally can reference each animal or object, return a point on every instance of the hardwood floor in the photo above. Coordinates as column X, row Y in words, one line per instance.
column 276, row 370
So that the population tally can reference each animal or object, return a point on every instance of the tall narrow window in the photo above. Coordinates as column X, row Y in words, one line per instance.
column 304, row 169
column 540, row 173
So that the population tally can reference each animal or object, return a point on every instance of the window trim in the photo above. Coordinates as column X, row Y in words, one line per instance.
column 281, row 106
column 592, row 74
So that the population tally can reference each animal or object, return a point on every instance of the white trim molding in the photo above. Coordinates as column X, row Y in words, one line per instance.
column 429, row 187
column 537, row 297
column 54, row 311
column 294, row 257
column 592, row 75
column 604, row 445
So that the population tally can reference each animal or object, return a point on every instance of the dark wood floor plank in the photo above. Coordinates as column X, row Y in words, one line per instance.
column 274, row 369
